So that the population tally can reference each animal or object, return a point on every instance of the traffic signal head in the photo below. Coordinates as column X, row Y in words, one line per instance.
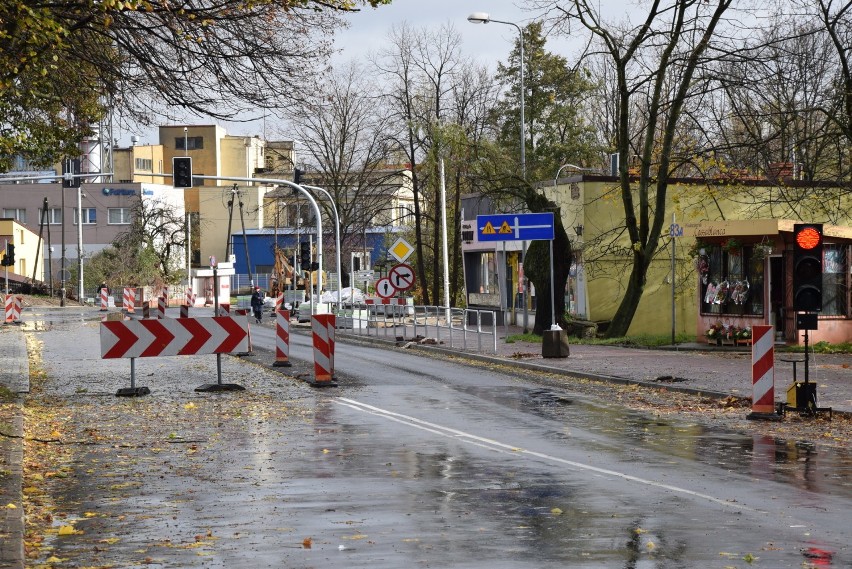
column 9, row 257
column 305, row 255
column 297, row 175
column 182, row 172
column 807, row 267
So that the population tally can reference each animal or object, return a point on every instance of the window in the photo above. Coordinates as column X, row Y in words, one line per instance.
column 118, row 215
column 834, row 283
column 192, row 143
column 18, row 214
column 89, row 216
column 145, row 164
column 53, row 217
column 731, row 281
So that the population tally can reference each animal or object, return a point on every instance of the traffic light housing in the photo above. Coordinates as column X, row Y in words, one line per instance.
column 297, row 175
column 9, row 257
column 182, row 172
column 305, row 255
column 807, row 267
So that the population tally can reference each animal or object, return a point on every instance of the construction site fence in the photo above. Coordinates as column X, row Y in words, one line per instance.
column 458, row 328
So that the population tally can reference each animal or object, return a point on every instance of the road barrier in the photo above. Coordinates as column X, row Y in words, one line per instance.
column 128, row 300
column 763, row 371
column 322, row 330
column 162, row 302
column 104, row 300
column 172, row 337
column 463, row 328
column 279, row 302
column 282, row 338
column 14, row 304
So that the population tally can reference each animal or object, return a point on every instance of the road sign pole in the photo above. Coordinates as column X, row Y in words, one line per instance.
column 674, row 308
column 524, row 284
column 553, row 324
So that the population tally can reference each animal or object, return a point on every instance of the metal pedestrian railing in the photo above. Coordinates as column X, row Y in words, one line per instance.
column 458, row 328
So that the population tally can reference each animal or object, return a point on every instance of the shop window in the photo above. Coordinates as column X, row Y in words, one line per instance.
column 834, row 281
column 732, row 280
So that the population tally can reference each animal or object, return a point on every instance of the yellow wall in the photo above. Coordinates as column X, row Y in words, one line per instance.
column 205, row 161
column 26, row 245
column 124, row 164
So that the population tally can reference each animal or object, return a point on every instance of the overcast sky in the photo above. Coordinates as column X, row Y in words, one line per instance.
column 489, row 43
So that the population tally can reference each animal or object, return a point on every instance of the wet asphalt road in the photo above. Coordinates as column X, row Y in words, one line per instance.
column 411, row 462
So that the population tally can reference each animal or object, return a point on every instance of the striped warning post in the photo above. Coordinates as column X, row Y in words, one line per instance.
column 161, row 308
column 184, row 311
column 104, row 300
column 14, row 304
column 763, row 370
column 322, row 329
column 224, row 310
column 282, row 338
column 279, row 302
column 129, row 300
column 166, row 295
column 190, row 298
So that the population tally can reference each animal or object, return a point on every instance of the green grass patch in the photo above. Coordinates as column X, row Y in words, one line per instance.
column 6, row 394
column 528, row 337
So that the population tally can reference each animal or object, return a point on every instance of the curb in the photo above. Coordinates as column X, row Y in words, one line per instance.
column 387, row 344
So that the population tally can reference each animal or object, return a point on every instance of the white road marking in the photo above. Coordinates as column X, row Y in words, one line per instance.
column 497, row 446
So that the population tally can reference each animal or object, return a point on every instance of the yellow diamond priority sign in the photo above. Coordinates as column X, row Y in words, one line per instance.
column 401, row 250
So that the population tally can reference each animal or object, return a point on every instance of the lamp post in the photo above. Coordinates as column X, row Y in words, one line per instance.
column 336, row 237
column 484, row 18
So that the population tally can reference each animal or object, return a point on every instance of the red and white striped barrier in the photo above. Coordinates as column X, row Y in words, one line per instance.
column 184, row 311
column 14, row 303
column 282, row 338
column 322, row 329
column 165, row 295
column 161, row 307
column 173, row 337
column 104, row 300
column 224, row 309
column 190, row 298
column 763, row 369
column 279, row 302
column 243, row 312
column 390, row 301
column 129, row 300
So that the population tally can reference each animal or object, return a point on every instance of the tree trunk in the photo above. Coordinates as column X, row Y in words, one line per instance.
column 627, row 309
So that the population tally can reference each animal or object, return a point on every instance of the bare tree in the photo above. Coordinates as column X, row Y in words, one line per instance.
column 344, row 129
column 658, row 70
column 421, row 69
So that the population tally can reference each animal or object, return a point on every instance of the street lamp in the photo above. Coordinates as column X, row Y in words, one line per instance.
column 336, row 237
column 484, row 18
column 580, row 168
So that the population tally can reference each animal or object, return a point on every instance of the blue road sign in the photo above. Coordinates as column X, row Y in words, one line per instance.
column 515, row 227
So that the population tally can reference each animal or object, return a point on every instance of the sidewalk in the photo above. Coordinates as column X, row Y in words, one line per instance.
column 14, row 376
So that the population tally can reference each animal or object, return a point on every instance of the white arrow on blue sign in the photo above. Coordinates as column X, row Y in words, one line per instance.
column 515, row 227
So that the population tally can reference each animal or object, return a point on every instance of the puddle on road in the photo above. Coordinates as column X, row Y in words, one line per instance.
column 798, row 463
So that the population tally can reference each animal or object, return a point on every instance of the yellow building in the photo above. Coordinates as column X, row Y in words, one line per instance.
column 757, row 242
column 27, row 250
